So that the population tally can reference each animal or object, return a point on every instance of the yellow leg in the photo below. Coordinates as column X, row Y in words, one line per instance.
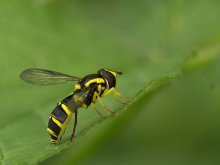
column 108, row 92
column 116, row 93
column 103, row 106
column 93, row 105
column 96, row 96
column 119, row 101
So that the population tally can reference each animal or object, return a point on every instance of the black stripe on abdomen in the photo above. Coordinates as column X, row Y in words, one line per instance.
column 53, row 126
column 59, row 114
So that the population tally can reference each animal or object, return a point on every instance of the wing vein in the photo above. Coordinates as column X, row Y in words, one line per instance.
column 45, row 77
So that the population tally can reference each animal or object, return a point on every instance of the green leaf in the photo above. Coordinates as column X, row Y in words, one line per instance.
column 151, row 42
column 172, row 120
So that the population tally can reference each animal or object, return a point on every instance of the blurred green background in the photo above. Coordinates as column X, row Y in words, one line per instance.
column 169, row 54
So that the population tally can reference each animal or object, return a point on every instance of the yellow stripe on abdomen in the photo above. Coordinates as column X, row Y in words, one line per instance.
column 51, row 132
column 66, row 109
column 65, row 123
column 57, row 122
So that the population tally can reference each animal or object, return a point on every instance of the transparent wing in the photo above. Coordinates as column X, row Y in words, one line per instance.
column 45, row 77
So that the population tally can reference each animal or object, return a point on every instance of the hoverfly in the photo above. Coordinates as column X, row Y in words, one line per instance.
column 87, row 91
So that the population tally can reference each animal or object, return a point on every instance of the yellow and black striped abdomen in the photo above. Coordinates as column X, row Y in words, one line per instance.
column 58, row 122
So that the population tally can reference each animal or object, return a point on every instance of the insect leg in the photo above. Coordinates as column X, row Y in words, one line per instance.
column 119, row 101
column 93, row 105
column 107, row 92
column 74, row 128
column 118, row 95
column 103, row 106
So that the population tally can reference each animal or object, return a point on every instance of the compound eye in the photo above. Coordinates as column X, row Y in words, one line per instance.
column 109, row 78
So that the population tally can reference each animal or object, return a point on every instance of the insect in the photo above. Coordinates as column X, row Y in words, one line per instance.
column 87, row 91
